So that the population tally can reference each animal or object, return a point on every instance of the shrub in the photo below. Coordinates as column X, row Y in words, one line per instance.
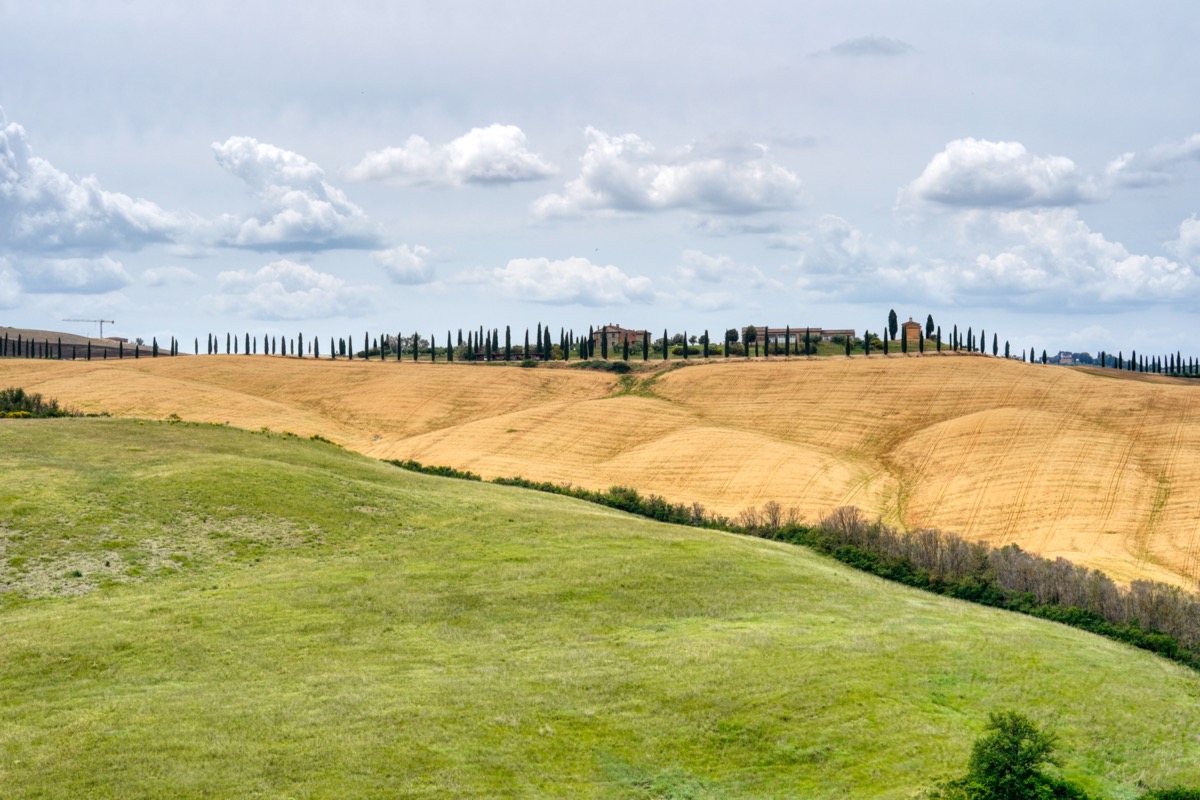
column 1008, row 763
column 15, row 403
column 619, row 367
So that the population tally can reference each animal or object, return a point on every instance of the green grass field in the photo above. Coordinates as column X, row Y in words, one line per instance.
column 198, row 611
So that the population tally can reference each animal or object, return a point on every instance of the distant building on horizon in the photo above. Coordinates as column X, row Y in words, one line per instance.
column 617, row 336
column 794, row 336
column 911, row 331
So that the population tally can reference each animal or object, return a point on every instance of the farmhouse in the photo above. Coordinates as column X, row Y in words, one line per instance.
column 617, row 336
column 795, row 334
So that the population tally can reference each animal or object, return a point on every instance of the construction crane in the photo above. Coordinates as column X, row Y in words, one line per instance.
column 101, row 321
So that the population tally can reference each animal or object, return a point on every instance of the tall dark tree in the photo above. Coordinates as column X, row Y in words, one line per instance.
column 525, row 350
column 866, row 343
column 995, row 344
column 970, row 341
column 929, row 327
column 849, row 344
column 1044, row 359
column 1006, row 351
column 808, row 343
column 228, row 344
column 645, row 345
column 538, row 338
column 954, row 340
column 154, row 347
column 604, row 344
column 787, row 341
column 885, row 342
column 300, row 344
column 416, row 346
column 507, row 343
column 893, row 324
column 624, row 348
column 904, row 343
column 449, row 347
column 685, row 345
column 547, row 347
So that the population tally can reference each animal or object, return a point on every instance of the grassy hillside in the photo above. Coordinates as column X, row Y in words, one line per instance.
column 1093, row 467
column 222, row 613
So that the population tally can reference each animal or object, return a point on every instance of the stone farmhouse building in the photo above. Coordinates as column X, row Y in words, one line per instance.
column 781, row 336
column 617, row 336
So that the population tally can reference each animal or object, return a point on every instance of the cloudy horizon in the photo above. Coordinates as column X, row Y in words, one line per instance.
column 255, row 168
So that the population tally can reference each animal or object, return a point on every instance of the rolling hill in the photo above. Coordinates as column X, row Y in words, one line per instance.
column 193, row 610
column 1094, row 467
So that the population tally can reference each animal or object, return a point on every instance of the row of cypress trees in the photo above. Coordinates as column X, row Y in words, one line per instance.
column 486, row 345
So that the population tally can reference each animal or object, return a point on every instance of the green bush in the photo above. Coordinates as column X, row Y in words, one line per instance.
column 15, row 403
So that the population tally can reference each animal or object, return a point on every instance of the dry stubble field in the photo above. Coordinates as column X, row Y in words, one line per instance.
column 1101, row 469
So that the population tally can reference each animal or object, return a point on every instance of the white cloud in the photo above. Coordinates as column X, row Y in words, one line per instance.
column 1031, row 259
column 571, row 280
column 1157, row 166
column 625, row 173
column 496, row 154
column 1187, row 246
column 72, row 275
column 286, row 290
column 10, row 293
column 697, row 266
column 42, row 209
column 301, row 210
column 405, row 264
column 981, row 174
column 167, row 276
column 871, row 46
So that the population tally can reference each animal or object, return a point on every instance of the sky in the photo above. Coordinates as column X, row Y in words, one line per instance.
column 1028, row 168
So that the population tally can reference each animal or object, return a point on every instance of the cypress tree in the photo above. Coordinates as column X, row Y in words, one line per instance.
column 983, row 341
column 1006, row 348
column 892, row 325
column 808, row 345
column 60, row 358
column 848, row 344
column 885, row 342
column 706, row 342
column 547, row 347
column 666, row 344
column 929, row 327
column 154, row 347
column 507, row 343
column 1044, row 357
column 416, row 346
column 316, row 347
column 89, row 353
column 604, row 344
column 995, row 345
column 954, row 340
column 228, row 344
column 540, row 351
column 121, row 348
column 300, row 343
column 685, row 344
column 904, row 343
column 866, row 342
column 787, row 340
column 525, row 350
column 920, row 344
column 624, row 348
column 646, row 345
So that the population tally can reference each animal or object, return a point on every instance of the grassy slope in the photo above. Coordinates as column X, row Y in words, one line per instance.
column 281, row 618
column 1100, row 470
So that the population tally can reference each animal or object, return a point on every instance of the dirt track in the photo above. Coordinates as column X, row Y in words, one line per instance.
column 1101, row 470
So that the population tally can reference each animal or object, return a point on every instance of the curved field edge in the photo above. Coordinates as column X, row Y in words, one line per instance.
column 1100, row 471
column 337, row 627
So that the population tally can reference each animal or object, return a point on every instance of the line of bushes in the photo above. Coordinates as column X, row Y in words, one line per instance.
column 1150, row 615
column 16, row 403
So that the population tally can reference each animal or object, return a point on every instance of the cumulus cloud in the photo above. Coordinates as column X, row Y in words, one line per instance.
column 977, row 173
column 404, row 264
column 1187, row 246
column 497, row 154
column 571, row 280
column 42, row 209
column 871, row 46
column 1044, row 258
column 285, row 290
column 9, row 292
column 1157, row 166
column 626, row 173
column 72, row 275
column 699, row 267
column 167, row 276
column 301, row 210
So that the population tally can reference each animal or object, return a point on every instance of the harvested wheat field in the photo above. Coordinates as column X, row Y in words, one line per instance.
column 1099, row 469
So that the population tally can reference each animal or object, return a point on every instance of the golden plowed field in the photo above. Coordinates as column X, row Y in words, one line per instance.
column 1099, row 469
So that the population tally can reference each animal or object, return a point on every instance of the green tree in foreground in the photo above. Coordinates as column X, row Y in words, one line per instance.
column 1008, row 763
